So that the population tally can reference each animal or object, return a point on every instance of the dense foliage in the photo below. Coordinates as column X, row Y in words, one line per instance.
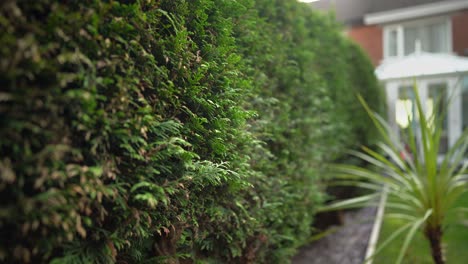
column 171, row 130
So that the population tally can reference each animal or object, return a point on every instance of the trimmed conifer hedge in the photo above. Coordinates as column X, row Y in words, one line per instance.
column 170, row 130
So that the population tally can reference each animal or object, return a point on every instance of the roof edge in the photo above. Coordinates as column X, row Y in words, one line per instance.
column 422, row 65
column 414, row 12
column 457, row 74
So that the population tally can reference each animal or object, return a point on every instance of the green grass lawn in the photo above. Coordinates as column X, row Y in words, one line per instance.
column 455, row 242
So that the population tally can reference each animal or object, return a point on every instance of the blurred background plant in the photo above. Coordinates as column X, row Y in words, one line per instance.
column 420, row 190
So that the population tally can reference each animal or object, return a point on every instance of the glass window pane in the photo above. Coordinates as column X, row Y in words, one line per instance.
column 465, row 106
column 411, row 35
column 465, row 103
column 433, row 38
column 405, row 111
column 437, row 99
column 424, row 36
column 437, row 38
column 392, row 43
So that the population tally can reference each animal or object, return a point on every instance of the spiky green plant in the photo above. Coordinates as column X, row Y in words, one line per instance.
column 420, row 190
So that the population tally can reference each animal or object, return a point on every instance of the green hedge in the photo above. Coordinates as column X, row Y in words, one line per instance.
column 170, row 131
column 307, row 75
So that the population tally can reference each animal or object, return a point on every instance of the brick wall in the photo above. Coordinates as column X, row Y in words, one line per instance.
column 370, row 39
column 460, row 33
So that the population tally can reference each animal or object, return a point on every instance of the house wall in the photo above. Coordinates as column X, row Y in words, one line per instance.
column 460, row 33
column 370, row 39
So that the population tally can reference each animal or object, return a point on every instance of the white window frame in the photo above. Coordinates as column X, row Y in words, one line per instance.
column 420, row 22
column 454, row 113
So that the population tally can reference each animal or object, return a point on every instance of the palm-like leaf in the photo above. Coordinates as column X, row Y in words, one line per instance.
column 420, row 190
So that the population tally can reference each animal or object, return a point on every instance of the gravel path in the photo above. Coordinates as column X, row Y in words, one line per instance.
column 347, row 245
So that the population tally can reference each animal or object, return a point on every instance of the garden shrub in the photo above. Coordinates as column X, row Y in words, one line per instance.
column 167, row 131
column 308, row 75
column 292, row 121
column 125, row 130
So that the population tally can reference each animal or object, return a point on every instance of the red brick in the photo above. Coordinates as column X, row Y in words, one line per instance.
column 370, row 39
column 460, row 33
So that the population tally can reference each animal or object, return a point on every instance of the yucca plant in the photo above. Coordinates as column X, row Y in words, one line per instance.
column 420, row 190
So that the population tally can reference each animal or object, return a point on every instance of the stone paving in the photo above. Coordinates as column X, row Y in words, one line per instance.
column 346, row 245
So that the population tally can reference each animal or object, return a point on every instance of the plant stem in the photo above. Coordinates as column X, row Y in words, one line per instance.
column 434, row 235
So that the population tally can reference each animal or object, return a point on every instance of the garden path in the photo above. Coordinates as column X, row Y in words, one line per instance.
column 346, row 245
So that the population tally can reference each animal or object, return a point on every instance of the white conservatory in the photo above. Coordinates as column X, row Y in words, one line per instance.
column 436, row 75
